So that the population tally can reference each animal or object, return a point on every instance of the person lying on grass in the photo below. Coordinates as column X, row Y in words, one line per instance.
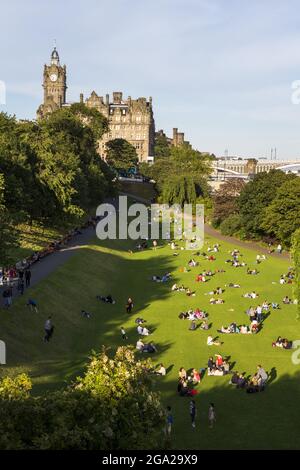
column 234, row 329
column 166, row 277
column 252, row 271
column 233, row 285
column 286, row 300
column 192, row 263
column 214, row 301
column 142, row 347
column 193, row 315
column 107, row 299
column 283, row 343
column 217, row 291
column 250, row 295
column 213, row 341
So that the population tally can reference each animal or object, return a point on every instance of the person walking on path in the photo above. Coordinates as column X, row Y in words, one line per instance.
column 48, row 330
column 129, row 305
column 193, row 412
column 27, row 277
column 211, row 415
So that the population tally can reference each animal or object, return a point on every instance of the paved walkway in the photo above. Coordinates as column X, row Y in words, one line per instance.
column 244, row 244
column 41, row 269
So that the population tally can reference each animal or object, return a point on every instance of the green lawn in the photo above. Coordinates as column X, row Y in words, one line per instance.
column 264, row 420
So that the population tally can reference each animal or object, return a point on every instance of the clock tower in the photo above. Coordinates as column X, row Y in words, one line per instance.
column 54, row 84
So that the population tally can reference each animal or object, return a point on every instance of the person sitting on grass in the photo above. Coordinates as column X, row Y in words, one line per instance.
column 200, row 278
column 283, row 343
column 149, row 348
column 182, row 374
column 286, row 300
column 212, row 342
column 85, row 314
column 196, row 377
column 140, row 321
column 254, row 327
column 190, row 293
column 139, row 345
column 282, row 280
column 242, row 381
column 275, row 305
column 193, row 326
column 143, row 331
column 245, row 330
column 234, row 379
column 161, row 370
column 204, row 325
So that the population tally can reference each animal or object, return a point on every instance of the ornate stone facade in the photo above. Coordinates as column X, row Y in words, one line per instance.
column 129, row 119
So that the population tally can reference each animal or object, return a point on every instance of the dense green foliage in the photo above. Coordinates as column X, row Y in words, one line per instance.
column 121, row 155
column 225, row 200
column 162, row 148
column 182, row 177
column 296, row 259
column 8, row 234
column 110, row 407
column 51, row 169
column 268, row 207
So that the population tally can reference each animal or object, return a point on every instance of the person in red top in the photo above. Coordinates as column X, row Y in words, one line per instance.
column 219, row 360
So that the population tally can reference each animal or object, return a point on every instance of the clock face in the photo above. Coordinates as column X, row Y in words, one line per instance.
column 53, row 77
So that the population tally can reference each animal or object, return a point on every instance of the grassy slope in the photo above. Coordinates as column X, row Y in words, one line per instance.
column 265, row 420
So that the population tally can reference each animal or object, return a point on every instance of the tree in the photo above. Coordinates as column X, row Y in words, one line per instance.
column 8, row 234
column 161, row 147
column 256, row 196
column 225, row 200
column 182, row 177
column 295, row 251
column 121, row 155
column 111, row 407
column 282, row 217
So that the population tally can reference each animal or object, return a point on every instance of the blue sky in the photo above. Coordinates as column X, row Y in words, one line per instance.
column 221, row 71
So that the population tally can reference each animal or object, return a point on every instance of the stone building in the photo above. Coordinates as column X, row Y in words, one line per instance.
column 176, row 140
column 129, row 119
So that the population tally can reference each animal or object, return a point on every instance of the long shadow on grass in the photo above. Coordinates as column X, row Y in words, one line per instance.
column 263, row 420
column 71, row 288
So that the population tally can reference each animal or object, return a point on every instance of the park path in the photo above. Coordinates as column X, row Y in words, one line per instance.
column 43, row 268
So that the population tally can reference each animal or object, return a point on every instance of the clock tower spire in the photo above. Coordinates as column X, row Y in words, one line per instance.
column 54, row 84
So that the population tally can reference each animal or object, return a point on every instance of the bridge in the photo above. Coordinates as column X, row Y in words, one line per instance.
column 225, row 169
